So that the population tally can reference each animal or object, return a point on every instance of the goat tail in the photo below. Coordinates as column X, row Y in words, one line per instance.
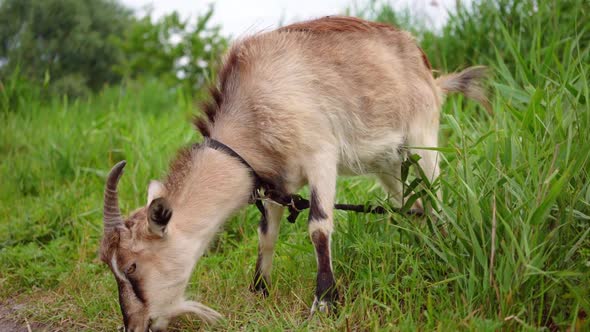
column 469, row 83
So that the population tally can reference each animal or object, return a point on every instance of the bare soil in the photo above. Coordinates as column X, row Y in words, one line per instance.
column 10, row 321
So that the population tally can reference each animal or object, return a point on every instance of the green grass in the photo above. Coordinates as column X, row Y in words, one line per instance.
column 520, row 177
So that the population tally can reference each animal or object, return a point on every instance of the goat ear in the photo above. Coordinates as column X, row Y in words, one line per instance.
column 155, row 190
column 159, row 214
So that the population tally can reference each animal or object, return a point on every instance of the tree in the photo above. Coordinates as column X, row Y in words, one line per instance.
column 65, row 41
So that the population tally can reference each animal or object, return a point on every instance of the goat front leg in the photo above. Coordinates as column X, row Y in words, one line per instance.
column 321, row 173
column 268, row 232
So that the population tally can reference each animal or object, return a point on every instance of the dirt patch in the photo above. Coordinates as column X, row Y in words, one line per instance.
column 10, row 320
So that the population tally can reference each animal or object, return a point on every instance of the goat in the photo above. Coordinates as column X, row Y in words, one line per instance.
column 299, row 105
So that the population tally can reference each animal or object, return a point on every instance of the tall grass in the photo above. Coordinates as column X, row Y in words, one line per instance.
column 509, row 247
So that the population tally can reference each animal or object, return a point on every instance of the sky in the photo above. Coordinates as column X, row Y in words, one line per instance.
column 238, row 17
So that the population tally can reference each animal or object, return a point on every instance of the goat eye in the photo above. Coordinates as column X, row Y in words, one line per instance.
column 131, row 268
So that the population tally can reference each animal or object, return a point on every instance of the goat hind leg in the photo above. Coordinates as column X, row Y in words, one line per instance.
column 390, row 179
column 426, row 137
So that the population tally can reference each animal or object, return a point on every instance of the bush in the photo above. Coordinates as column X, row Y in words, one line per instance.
column 179, row 52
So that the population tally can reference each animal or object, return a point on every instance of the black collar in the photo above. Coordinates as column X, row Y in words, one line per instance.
column 255, row 197
column 263, row 189
column 217, row 145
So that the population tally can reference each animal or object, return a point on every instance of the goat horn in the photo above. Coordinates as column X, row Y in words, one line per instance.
column 112, row 214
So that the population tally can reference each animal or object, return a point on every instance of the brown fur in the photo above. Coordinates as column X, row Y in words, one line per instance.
column 326, row 25
column 425, row 59
column 179, row 169
column 332, row 24
column 111, row 241
column 211, row 107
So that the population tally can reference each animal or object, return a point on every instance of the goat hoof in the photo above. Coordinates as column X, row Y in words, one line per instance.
column 416, row 212
column 323, row 306
column 260, row 285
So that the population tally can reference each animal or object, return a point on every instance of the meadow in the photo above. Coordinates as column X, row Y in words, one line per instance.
column 507, row 249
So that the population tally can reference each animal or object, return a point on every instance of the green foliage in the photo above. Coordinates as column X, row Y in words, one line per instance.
column 76, row 47
column 382, row 11
column 65, row 41
column 508, row 248
column 519, row 175
column 16, row 91
column 479, row 31
column 179, row 52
